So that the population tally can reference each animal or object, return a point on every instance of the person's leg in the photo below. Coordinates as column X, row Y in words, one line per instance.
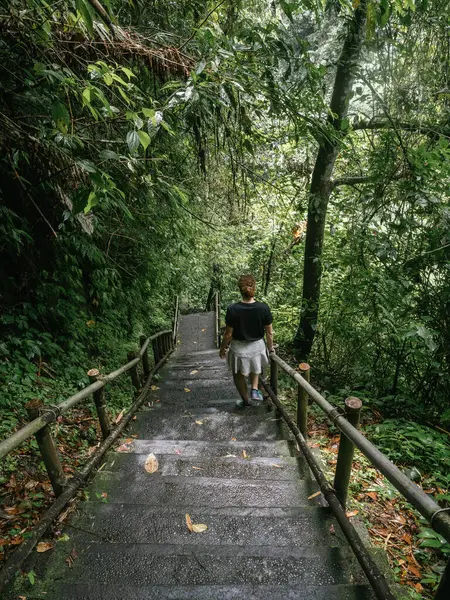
column 254, row 377
column 256, row 394
column 241, row 386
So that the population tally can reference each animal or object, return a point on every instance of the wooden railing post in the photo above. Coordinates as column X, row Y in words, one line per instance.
column 302, row 401
column 274, row 376
column 346, row 450
column 155, row 350
column 48, row 449
column 134, row 372
column 175, row 322
column 217, row 319
column 99, row 399
column 145, row 362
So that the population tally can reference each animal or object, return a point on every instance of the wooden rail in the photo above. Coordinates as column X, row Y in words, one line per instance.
column 347, row 422
column 163, row 344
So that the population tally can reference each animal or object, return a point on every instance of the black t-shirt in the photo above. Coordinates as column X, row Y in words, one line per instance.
column 248, row 320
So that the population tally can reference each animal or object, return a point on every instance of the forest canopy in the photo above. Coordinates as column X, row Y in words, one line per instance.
column 155, row 148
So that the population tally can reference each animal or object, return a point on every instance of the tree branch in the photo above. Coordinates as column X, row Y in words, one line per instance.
column 416, row 127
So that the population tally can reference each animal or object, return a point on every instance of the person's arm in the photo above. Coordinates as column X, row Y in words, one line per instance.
column 227, row 336
column 269, row 337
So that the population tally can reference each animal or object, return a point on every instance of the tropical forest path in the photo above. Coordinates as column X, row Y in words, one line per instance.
column 232, row 470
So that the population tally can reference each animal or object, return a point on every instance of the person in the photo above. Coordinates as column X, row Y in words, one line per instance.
column 246, row 322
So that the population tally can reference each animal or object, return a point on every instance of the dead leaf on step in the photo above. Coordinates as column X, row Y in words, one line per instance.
column 352, row 513
column 199, row 527
column 44, row 546
column 332, row 529
column 277, row 466
column 230, row 456
column 244, row 454
column 197, row 468
column 203, row 330
column 151, row 464
column 178, row 451
column 199, row 422
column 187, row 390
column 314, row 495
column 233, row 439
column 193, row 372
column 188, row 522
column 154, row 388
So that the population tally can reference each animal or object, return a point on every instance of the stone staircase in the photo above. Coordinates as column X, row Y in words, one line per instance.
column 235, row 471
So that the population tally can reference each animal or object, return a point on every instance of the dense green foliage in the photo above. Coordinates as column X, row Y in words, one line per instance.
column 153, row 149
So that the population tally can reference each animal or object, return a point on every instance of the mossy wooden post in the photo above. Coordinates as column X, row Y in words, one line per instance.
column 346, row 450
column 134, row 371
column 48, row 449
column 99, row 399
column 302, row 401
column 145, row 362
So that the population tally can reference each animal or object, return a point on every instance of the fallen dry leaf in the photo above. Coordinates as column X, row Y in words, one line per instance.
column 154, row 388
column 332, row 529
column 414, row 570
column 187, row 390
column 119, row 416
column 277, row 466
column 123, row 448
column 230, row 456
column 178, row 451
column 193, row 372
column 352, row 513
column 188, row 522
column 233, row 439
column 195, row 527
column 199, row 422
column 151, row 464
column 197, row 468
column 203, row 330
column 314, row 495
column 372, row 495
column 44, row 546
column 244, row 454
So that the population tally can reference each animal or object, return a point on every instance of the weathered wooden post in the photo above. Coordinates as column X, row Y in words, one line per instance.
column 134, row 371
column 145, row 362
column 99, row 399
column 302, row 401
column 346, row 450
column 155, row 350
column 175, row 322
column 274, row 376
column 48, row 449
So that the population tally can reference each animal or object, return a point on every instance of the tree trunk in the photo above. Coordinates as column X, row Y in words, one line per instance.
column 321, row 184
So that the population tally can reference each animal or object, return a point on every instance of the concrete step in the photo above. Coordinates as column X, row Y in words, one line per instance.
column 210, row 448
column 139, row 524
column 226, row 467
column 94, row 591
column 209, row 426
column 195, row 564
column 154, row 490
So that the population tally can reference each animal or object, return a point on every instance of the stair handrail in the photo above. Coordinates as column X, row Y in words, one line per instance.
column 438, row 517
column 217, row 320
column 163, row 344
